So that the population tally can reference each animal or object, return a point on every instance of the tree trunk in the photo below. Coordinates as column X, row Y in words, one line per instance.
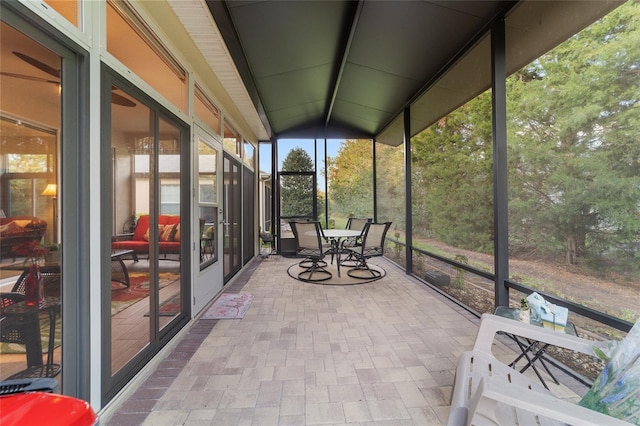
column 571, row 250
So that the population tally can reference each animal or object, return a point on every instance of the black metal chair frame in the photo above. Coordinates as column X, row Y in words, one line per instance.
column 349, row 244
column 25, row 329
column 13, row 386
column 373, row 238
column 308, row 236
column 306, row 263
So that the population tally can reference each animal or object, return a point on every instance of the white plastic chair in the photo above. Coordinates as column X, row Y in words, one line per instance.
column 489, row 392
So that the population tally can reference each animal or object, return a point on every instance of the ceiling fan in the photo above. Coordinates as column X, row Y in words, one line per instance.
column 115, row 98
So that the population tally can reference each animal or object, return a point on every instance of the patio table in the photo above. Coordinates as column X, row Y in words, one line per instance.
column 119, row 271
column 531, row 350
column 335, row 236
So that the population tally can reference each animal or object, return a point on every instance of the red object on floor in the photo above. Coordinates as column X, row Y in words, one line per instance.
column 41, row 408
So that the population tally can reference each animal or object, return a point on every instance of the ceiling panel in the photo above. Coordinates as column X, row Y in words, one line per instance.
column 360, row 118
column 295, row 87
column 343, row 68
column 284, row 36
column 380, row 90
column 411, row 39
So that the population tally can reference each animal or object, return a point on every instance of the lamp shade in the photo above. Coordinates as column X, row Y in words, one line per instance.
column 51, row 190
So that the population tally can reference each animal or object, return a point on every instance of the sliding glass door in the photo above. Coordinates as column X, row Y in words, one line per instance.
column 148, row 259
column 30, row 233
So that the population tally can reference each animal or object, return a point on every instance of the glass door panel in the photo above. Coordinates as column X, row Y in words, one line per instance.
column 30, row 129
column 149, row 234
column 249, row 234
column 133, row 278
column 209, row 279
column 232, row 249
column 169, row 224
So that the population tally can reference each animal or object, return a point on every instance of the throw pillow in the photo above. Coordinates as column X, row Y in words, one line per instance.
column 176, row 235
column 22, row 222
column 10, row 228
column 160, row 229
column 616, row 391
column 167, row 233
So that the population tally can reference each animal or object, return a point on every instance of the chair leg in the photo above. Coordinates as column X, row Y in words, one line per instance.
column 315, row 268
column 363, row 268
column 350, row 260
column 308, row 263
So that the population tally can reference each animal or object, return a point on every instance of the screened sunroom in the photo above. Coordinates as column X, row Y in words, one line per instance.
column 161, row 147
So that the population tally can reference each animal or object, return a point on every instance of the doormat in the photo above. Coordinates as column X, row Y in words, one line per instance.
column 229, row 306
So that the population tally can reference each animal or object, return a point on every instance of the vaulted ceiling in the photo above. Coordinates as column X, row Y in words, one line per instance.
column 348, row 69
column 341, row 69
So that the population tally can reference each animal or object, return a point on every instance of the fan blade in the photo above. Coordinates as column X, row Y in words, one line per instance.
column 40, row 65
column 115, row 98
column 28, row 77
column 121, row 100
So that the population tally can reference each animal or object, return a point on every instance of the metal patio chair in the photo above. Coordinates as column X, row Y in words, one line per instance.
column 308, row 236
column 355, row 223
column 373, row 238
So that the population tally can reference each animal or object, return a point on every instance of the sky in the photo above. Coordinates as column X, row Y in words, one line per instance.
column 286, row 145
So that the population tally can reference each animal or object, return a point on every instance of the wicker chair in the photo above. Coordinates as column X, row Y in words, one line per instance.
column 25, row 329
column 51, row 281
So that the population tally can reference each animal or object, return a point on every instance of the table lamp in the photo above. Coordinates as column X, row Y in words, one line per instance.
column 52, row 191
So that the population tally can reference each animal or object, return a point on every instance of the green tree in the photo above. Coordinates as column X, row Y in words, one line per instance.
column 30, row 172
column 452, row 178
column 351, row 179
column 297, row 191
column 391, row 196
column 574, row 155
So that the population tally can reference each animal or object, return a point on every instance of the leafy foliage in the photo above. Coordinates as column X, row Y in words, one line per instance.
column 390, row 183
column 453, row 179
column 351, row 179
column 297, row 190
column 574, row 155
column 573, row 158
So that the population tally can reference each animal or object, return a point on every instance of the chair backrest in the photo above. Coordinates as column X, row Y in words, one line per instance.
column 616, row 391
column 357, row 223
column 373, row 238
column 51, row 280
column 308, row 237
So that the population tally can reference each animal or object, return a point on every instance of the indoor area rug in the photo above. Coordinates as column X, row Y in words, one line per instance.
column 169, row 307
column 122, row 298
column 18, row 348
column 229, row 306
column 343, row 279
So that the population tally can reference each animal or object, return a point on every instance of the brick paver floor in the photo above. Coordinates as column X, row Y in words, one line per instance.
column 381, row 353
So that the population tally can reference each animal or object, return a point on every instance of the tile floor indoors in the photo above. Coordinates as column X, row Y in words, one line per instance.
column 381, row 353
